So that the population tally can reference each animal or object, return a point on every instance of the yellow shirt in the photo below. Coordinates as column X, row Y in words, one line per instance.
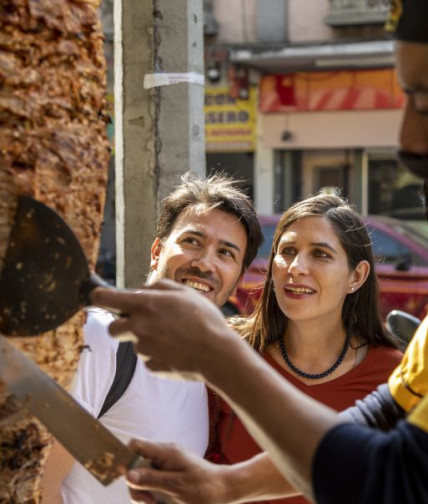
column 395, row 11
column 408, row 383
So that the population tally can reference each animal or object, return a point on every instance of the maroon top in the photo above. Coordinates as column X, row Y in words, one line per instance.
column 231, row 442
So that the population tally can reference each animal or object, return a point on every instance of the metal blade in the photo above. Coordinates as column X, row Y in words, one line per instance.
column 43, row 273
column 85, row 438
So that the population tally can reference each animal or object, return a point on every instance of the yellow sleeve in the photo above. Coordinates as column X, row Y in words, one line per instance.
column 409, row 381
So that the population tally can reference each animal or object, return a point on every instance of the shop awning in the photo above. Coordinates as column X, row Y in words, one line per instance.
column 322, row 56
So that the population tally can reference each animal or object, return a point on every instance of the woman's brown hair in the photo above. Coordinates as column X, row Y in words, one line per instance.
column 360, row 312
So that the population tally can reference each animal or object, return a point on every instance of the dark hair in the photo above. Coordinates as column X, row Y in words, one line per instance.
column 360, row 312
column 217, row 191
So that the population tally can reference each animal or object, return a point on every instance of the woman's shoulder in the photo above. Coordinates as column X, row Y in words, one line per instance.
column 385, row 352
column 380, row 360
column 375, row 369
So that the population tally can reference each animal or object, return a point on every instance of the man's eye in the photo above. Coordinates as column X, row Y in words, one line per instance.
column 227, row 253
column 191, row 240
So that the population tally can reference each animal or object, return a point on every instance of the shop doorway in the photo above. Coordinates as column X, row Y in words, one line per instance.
column 331, row 179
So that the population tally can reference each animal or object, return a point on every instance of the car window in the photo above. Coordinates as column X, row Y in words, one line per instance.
column 388, row 250
column 268, row 232
column 417, row 231
column 417, row 236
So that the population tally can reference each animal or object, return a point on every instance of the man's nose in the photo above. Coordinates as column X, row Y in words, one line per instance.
column 205, row 261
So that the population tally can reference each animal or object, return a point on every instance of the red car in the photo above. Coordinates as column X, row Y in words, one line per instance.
column 401, row 253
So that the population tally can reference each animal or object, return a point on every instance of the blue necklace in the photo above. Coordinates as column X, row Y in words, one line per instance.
column 318, row 375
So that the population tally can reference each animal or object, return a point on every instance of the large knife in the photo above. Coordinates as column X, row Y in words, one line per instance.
column 45, row 278
column 95, row 447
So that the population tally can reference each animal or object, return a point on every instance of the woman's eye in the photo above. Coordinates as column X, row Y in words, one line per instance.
column 288, row 251
column 321, row 254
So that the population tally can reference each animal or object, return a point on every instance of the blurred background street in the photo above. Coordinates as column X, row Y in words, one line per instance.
column 300, row 97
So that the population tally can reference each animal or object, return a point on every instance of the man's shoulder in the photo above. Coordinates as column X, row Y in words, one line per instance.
column 97, row 361
column 96, row 327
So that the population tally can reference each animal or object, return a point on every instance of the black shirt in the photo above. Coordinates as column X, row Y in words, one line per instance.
column 412, row 26
column 355, row 464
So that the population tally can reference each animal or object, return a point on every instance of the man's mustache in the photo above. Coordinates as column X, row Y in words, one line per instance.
column 203, row 275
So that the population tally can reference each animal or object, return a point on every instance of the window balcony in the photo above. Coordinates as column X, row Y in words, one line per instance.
column 357, row 12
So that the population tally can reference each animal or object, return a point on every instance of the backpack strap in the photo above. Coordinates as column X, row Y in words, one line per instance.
column 126, row 361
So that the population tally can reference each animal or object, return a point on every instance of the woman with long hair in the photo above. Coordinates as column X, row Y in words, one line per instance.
column 317, row 322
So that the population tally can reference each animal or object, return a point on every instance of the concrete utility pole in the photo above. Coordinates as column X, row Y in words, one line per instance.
column 159, row 121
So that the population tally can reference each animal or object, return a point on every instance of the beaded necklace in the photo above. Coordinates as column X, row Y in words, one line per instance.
column 318, row 375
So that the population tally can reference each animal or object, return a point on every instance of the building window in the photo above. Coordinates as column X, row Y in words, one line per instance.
column 210, row 23
column 393, row 190
column 354, row 12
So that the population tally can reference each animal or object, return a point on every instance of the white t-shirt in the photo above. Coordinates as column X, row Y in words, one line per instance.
column 152, row 407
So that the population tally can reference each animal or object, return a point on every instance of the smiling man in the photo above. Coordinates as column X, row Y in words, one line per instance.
column 204, row 250
column 207, row 234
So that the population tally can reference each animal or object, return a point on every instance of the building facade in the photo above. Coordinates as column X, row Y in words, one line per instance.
column 320, row 81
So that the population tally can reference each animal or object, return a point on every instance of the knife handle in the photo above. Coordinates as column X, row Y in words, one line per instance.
column 160, row 497
column 85, row 299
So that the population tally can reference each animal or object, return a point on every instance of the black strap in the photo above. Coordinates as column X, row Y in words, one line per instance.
column 126, row 361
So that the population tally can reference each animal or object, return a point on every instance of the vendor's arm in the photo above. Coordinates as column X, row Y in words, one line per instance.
column 179, row 474
column 194, row 341
column 192, row 480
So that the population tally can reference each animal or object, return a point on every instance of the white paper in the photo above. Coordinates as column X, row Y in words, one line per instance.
column 168, row 79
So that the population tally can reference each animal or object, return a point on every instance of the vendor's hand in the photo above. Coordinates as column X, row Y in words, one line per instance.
column 178, row 330
column 187, row 478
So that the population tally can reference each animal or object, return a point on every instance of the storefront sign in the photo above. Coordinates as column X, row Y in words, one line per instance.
column 334, row 90
column 229, row 123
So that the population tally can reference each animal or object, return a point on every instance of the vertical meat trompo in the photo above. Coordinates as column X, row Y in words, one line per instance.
column 53, row 147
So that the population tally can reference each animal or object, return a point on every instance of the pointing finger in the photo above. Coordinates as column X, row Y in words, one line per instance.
column 126, row 300
column 115, row 300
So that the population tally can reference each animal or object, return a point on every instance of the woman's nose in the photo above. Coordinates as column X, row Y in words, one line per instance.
column 298, row 265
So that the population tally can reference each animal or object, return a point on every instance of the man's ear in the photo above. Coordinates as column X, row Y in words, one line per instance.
column 155, row 253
